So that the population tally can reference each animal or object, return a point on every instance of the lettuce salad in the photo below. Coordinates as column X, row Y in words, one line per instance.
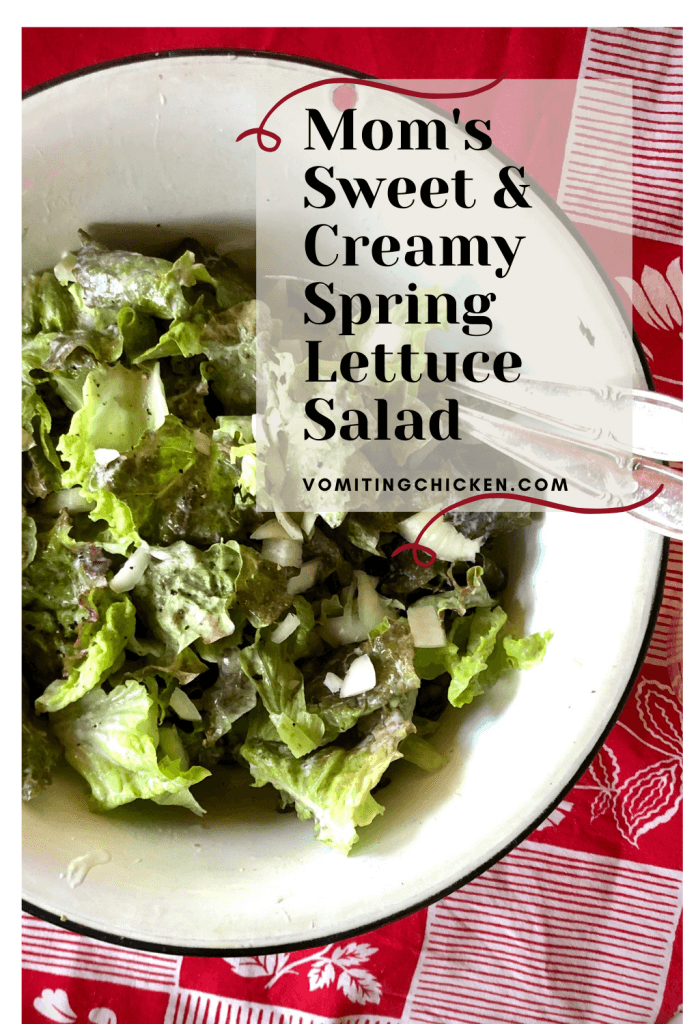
column 169, row 625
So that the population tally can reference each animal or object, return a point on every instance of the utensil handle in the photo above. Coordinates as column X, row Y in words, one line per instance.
column 595, row 470
column 634, row 422
column 665, row 513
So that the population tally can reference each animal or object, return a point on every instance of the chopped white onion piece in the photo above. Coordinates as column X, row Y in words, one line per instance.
column 306, row 578
column 332, row 682
column 271, row 530
column 425, row 626
column 202, row 443
column 72, row 500
column 285, row 628
column 132, row 571
column 344, row 629
column 288, row 524
column 360, row 677
column 155, row 398
column 441, row 537
column 103, row 456
column 161, row 554
column 370, row 608
column 64, row 269
column 259, row 430
column 283, row 552
column 308, row 523
column 183, row 706
column 334, row 518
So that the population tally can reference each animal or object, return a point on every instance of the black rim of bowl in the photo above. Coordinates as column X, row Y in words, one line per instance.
column 336, row 936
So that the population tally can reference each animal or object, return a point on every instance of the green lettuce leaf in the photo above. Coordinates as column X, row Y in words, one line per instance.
column 160, row 674
column 333, row 785
column 460, row 599
column 99, row 319
column 47, row 306
column 391, row 652
column 464, row 668
column 477, row 653
column 29, row 538
column 40, row 752
column 364, row 530
column 68, row 378
column 137, row 332
column 111, row 740
column 262, row 588
column 147, row 479
column 231, row 696
column 146, row 284
column 526, row 651
column 420, row 752
column 56, row 589
column 200, row 502
column 183, row 338
column 281, row 687
column 235, row 438
column 36, row 420
column 101, row 642
column 187, row 594
column 229, row 341
column 230, row 287
column 487, row 524
column 119, row 407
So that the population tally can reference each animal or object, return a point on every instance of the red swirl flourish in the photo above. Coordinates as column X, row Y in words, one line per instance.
column 415, row 545
column 261, row 131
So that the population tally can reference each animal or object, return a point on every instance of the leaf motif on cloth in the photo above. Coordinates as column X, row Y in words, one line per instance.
column 320, row 975
column 649, row 798
column 651, row 795
column 601, row 804
column 356, row 982
column 660, row 713
column 353, row 954
column 359, row 986
column 275, row 962
column 102, row 1015
column 605, row 771
column 657, row 297
column 54, row 1004
column 257, row 966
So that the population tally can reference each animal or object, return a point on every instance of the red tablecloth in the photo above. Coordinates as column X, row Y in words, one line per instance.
column 581, row 923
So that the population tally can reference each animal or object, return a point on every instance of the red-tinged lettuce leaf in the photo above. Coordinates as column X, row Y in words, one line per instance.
column 97, row 653
column 187, row 594
column 333, row 785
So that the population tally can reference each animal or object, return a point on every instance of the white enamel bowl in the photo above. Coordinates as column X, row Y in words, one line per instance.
column 143, row 153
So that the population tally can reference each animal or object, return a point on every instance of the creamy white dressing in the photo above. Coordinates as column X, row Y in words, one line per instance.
column 78, row 869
